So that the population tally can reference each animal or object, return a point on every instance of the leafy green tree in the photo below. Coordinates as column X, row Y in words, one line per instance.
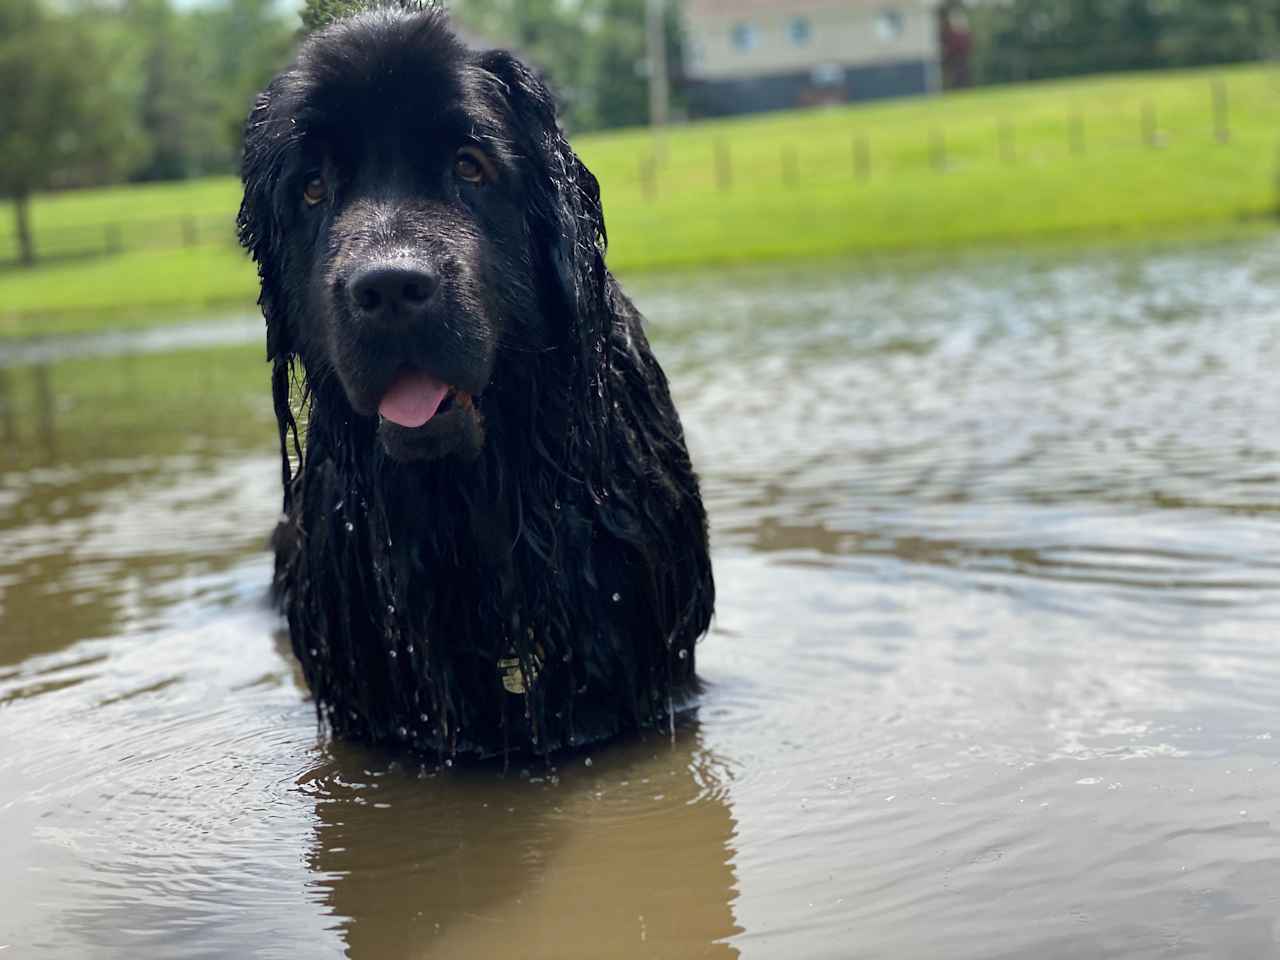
column 619, row 82
column 319, row 13
column 248, row 43
column 65, row 123
column 177, row 105
column 618, row 62
column 1030, row 39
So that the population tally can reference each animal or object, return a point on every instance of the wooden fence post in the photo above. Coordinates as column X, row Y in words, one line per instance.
column 1276, row 211
column 1008, row 145
column 724, row 165
column 1221, row 112
column 649, row 176
column 861, row 158
column 1075, row 133
column 788, row 164
column 1150, row 125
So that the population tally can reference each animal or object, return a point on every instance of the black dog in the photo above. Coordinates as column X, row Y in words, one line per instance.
column 494, row 539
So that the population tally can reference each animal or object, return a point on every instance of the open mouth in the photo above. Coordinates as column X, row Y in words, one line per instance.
column 415, row 397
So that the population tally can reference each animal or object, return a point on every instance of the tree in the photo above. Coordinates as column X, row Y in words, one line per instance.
column 618, row 63
column 69, row 125
column 1031, row 39
column 320, row 13
column 248, row 43
column 177, row 99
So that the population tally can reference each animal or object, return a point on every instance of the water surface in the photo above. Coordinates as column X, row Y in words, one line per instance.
column 994, row 671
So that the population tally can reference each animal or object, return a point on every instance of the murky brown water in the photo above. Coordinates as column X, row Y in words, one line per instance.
column 995, row 671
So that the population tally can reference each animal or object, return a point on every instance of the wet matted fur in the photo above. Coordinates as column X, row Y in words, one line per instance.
column 528, row 569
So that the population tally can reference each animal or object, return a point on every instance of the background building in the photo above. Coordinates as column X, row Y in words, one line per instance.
column 745, row 56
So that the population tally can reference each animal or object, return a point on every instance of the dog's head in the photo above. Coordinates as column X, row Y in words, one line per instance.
column 416, row 215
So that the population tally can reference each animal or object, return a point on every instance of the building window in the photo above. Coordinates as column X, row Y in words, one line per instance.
column 889, row 25
column 800, row 31
column 744, row 37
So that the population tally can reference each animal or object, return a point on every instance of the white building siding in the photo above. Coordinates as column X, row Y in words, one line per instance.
column 728, row 40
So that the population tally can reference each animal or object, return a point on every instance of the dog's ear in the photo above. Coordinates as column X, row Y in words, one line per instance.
column 259, row 229
column 566, row 218
column 258, row 222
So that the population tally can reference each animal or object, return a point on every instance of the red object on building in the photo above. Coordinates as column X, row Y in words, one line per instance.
column 957, row 44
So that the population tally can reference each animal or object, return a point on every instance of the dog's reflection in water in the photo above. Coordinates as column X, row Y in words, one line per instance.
column 625, row 857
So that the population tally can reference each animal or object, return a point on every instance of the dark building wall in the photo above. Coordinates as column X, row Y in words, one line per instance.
column 784, row 91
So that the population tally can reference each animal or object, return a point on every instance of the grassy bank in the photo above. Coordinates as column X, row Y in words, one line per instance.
column 1065, row 161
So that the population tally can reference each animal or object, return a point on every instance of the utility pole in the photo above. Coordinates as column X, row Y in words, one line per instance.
column 659, row 92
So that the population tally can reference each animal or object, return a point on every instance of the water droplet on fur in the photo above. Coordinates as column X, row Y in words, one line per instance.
column 401, row 732
column 350, row 526
column 556, row 505
column 410, row 649
column 448, row 762
column 423, row 717
column 391, row 609
column 586, row 762
column 393, row 653
column 683, row 654
column 338, row 506
column 617, row 598
column 314, row 652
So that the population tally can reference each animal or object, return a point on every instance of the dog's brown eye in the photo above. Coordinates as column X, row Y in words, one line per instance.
column 472, row 166
column 315, row 191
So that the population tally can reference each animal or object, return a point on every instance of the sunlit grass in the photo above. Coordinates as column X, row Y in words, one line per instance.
column 1061, row 162
column 127, row 289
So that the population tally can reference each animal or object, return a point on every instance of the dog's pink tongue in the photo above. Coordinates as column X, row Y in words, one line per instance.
column 413, row 399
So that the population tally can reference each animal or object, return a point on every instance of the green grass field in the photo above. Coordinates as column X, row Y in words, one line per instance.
column 1063, row 162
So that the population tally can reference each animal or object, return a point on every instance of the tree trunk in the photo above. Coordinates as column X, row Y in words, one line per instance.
column 22, row 211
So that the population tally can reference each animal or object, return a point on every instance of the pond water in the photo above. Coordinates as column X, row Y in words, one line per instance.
column 995, row 670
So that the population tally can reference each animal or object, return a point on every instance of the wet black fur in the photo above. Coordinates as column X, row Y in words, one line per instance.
column 563, row 525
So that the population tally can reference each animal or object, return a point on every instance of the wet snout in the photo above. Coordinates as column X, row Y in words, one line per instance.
column 395, row 294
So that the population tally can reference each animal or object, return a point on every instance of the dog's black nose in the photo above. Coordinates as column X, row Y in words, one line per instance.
column 391, row 292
